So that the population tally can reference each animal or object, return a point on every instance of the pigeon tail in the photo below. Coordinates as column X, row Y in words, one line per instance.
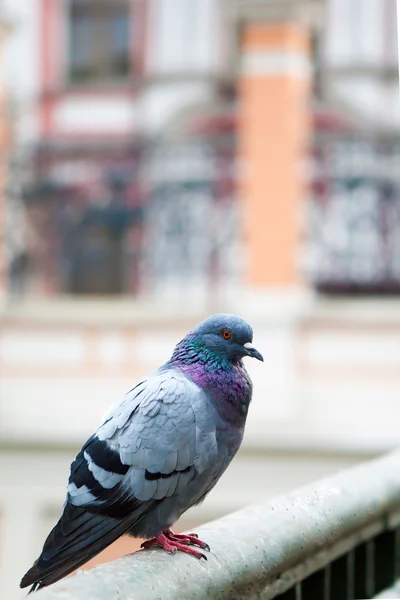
column 77, row 537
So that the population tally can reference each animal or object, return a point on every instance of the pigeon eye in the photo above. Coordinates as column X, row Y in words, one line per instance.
column 226, row 334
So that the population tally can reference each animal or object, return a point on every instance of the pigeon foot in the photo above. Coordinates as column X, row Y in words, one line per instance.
column 171, row 542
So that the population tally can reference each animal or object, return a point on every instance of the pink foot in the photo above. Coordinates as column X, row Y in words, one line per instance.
column 171, row 542
column 189, row 539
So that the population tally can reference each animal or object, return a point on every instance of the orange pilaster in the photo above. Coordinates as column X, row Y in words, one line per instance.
column 274, row 122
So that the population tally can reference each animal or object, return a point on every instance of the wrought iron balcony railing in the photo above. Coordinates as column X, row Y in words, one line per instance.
column 353, row 220
column 123, row 220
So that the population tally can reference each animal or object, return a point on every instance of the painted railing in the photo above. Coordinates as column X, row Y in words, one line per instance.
column 338, row 539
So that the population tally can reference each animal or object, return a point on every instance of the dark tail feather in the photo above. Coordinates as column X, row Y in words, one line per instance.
column 57, row 573
column 77, row 537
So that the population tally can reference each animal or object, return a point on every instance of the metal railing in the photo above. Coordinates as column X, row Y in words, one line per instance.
column 123, row 219
column 338, row 539
column 353, row 233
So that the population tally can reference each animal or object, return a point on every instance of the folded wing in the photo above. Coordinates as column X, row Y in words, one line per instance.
column 149, row 448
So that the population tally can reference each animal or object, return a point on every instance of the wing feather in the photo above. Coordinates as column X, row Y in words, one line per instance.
column 149, row 448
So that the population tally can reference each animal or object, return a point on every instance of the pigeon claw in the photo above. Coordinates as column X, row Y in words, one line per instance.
column 149, row 544
column 171, row 542
column 189, row 539
column 160, row 541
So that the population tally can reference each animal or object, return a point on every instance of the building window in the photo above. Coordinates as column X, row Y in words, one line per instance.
column 99, row 40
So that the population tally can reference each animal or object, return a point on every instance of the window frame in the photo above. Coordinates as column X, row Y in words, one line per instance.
column 135, row 66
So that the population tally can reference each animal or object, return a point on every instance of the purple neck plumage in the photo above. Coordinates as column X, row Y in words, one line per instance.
column 226, row 383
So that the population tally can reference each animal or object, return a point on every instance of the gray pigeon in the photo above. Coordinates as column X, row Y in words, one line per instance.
column 160, row 450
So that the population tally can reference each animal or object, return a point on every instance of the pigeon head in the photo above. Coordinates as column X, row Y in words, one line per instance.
column 221, row 337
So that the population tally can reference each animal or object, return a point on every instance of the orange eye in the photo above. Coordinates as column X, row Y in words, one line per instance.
column 226, row 334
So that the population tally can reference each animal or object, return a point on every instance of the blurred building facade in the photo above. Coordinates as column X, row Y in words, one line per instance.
column 125, row 145
column 126, row 138
column 174, row 159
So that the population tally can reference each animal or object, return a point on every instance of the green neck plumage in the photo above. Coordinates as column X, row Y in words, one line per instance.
column 191, row 350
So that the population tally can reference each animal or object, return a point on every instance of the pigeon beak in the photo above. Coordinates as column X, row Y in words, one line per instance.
column 251, row 351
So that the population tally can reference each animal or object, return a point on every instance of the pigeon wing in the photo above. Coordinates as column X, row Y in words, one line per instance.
column 151, row 445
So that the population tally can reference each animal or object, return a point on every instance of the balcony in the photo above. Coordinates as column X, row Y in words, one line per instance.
column 353, row 219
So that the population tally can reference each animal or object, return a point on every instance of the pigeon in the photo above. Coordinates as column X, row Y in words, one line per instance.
column 159, row 451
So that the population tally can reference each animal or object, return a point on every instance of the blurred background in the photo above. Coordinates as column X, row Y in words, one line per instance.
column 162, row 160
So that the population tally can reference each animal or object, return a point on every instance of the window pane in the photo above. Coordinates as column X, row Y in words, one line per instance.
column 119, row 30
column 99, row 40
column 80, row 47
